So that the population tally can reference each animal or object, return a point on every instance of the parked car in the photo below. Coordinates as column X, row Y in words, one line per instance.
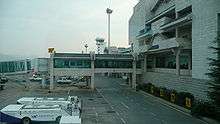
column 35, row 78
column 3, row 80
column 64, row 80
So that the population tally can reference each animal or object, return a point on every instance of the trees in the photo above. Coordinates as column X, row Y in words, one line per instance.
column 214, row 74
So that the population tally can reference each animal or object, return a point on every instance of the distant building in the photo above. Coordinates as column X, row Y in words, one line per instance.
column 113, row 50
column 15, row 67
column 174, row 37
column 101, row 45
column 123, row 50
column 40, row 65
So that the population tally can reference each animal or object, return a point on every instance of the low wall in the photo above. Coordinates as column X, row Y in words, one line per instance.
column 180, row 83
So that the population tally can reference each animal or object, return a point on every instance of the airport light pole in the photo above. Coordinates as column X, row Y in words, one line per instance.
column 86, row 46
column 109, row 12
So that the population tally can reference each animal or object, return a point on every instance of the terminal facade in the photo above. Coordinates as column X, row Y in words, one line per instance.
column 174, row 37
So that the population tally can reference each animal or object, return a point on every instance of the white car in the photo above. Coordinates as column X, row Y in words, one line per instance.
column 35, row 79
column 26, row 114
column 64, row 80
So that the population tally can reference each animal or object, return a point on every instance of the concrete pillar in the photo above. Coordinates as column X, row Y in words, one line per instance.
column 154, row 61
column 178, row 61
column 190, row 61
column 25, row 66
column 51, row 68
column 92, row 75
column 130, row 80
column 43, row 82
column 145, row 63
column 134, row 75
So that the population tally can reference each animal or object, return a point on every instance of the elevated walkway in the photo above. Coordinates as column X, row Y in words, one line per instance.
column 73, row 64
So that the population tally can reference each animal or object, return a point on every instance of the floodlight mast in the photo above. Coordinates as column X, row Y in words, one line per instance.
column 109, row 12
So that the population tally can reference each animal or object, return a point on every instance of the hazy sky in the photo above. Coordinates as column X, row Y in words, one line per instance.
column 29, row 27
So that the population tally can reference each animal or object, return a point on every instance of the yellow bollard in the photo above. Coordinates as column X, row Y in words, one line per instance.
column 161, row 92
column 152, row 89
column 188, row 102
column 172, row 97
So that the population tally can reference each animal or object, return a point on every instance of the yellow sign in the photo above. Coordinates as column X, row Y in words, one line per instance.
column 188, row 102
column 161, row 92
column 50, row 50
column 152, row 89
column 173, row 97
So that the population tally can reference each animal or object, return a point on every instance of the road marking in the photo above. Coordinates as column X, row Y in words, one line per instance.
column 123, row 120
column 153, row 114
column 124, row 105
column 117, row 113
column 148, row 96
column 110, row 105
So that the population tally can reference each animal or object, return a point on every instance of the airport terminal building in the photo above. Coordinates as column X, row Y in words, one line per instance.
column 15, row 67
column 174, row 37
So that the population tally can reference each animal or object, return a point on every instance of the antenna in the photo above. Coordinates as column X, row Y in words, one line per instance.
column 109, row 3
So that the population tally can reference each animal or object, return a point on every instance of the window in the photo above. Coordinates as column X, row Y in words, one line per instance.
column 184, row 62
column 160, row 62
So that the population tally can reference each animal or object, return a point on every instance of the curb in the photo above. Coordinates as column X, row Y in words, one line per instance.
column 164, row 102
column 179, row 108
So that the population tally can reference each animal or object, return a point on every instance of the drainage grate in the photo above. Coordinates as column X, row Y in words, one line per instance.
column 110, row 111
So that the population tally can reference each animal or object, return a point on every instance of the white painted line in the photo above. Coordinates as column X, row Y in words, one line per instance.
column 124, row 105
column 153, row 114
column 110, row 105
column 172, row 107
column 117, row 113
column 123, row 120
column 163, row 121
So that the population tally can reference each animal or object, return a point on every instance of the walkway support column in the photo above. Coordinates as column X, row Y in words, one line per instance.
column 190, row 62
column 51, row 72
column 178, row 61
column 92, row 75
column 92, row 57
column 134, row 73
column 43, row 82
column 145, row 63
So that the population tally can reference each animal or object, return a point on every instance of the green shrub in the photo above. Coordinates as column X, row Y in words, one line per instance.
column 156, row 91
column 166, row 94
column 148, row 87
column 205, row 109
column 181, row 98
column 142, row 86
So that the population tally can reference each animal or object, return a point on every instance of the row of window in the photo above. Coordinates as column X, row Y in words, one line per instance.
column 7, row 67
column 68, row 63
column 73, row 63
column 169, row 62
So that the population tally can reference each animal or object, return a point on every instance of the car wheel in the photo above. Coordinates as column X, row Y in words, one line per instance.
column 26, row 120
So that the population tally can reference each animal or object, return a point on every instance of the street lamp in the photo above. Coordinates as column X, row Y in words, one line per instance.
column 109, row 12
column 86, row 46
